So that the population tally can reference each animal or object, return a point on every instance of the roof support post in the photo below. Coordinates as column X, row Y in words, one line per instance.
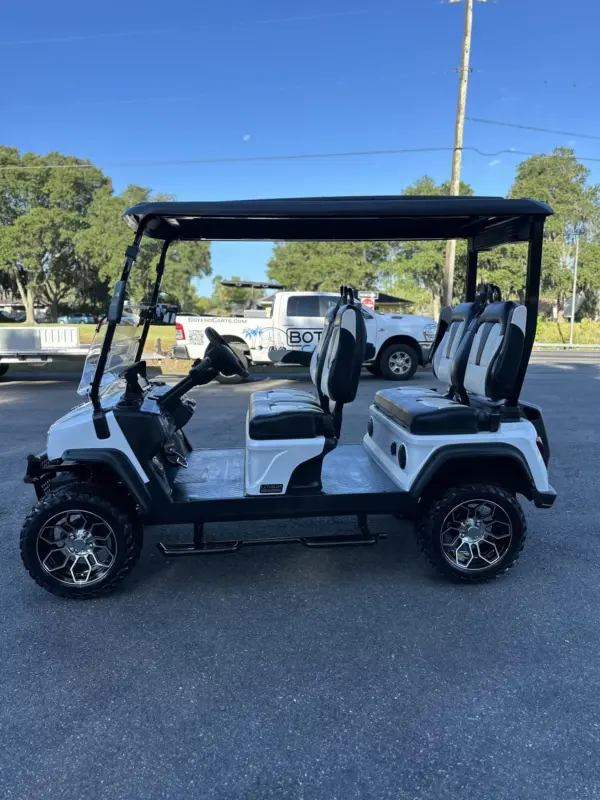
column 532, row 297
column 471, row 277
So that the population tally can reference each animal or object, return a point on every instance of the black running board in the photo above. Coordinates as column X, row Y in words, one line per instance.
column 209, row 548
column 200, row 547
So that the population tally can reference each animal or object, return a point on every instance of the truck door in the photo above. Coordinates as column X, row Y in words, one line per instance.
column 305, row 315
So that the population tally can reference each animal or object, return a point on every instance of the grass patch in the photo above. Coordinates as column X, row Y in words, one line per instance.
column 585, row 332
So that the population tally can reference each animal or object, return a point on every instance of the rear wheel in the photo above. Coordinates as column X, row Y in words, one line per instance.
column 77, row 543
column 398, row 362
column 473, row 532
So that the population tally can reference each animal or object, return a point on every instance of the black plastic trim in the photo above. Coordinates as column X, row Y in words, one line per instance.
column 120, row 465
column 453, row 452
column 286, row 506
column 533, row 413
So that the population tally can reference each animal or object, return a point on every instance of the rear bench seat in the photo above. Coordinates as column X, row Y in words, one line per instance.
column 459, row 322
column 485, row 367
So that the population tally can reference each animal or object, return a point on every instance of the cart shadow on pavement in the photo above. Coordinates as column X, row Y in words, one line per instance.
column 394, row 558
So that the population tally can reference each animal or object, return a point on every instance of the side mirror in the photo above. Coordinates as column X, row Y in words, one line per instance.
column 161, row 313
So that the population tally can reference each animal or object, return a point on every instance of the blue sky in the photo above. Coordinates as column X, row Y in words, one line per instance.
column 119, row 82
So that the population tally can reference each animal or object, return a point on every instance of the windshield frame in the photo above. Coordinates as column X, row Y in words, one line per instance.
column 131, row 254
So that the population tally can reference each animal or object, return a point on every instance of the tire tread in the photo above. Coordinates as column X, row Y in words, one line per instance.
column 132, row 536
column 425, row 534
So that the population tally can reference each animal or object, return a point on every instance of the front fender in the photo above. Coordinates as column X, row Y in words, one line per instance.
column 114, row 463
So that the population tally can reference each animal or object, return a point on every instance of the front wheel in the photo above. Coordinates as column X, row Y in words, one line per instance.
column 473, row 532
column 77, row 543
column 398, row 362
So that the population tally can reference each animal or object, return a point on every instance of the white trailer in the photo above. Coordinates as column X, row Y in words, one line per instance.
column 37, row 345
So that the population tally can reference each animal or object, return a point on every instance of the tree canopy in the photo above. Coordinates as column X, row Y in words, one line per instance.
column 104, row 240
column 62, row 242
column 62, row 239
column 41, row 211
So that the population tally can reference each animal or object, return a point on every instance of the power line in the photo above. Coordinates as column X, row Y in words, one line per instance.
column 532, row 128
column 227, row 25
column 86, row 37
column 292, row 157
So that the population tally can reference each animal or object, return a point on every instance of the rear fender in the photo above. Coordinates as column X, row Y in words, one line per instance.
column 493, row 462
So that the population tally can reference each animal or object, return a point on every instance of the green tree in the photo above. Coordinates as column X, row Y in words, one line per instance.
column 588, row 276
column 43, row 204
column 307, row 266
column 104, row 241
column 421, row 263
column 562, row 181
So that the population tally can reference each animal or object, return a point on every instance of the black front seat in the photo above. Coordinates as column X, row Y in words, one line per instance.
column 336, row 372
column 276, row 396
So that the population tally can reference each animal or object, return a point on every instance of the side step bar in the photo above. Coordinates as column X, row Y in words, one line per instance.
column 200, row 547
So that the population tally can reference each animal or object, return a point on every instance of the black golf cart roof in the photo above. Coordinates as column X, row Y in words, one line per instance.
column 491, row 220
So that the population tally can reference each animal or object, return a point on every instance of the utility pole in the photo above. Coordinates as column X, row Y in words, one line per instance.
column 448, row 277
column 574, row 295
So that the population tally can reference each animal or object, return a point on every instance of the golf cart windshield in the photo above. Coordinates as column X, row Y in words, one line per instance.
column 122, row 353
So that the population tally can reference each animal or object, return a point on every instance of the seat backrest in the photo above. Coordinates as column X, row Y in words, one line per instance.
column 493, row 357
column 317, row 358
column 458, row 325
column 344, row 356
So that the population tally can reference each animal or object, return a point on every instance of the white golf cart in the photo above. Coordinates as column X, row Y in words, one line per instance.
column 453, row 462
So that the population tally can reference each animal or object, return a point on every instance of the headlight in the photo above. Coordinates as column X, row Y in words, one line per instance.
column 429, row 332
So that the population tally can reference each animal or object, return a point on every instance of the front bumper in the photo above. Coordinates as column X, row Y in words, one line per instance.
column 180, row 351
column 544, row 499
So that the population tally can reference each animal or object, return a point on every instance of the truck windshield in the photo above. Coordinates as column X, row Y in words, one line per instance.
column 121, row 355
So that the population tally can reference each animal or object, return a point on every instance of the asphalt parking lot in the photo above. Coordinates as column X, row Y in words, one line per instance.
column 288, row 673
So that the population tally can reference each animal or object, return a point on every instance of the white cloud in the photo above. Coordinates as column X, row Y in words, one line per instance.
column 246, row 137
column 495, row 162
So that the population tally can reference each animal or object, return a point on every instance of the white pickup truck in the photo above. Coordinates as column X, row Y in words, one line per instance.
column 397, row 343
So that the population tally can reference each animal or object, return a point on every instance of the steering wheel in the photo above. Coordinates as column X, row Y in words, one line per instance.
column 227, row 360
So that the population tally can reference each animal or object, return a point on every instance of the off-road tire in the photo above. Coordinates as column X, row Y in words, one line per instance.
column 383, row 362
column 121, row 517
column 428, row 529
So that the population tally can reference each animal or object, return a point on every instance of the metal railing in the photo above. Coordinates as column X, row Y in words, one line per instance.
column 567, row 346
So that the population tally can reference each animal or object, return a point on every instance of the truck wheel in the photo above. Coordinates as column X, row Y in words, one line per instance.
column 473, row 532
column 3, row 369
column 398, row 362
column 77, row 543
column 229, row 379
